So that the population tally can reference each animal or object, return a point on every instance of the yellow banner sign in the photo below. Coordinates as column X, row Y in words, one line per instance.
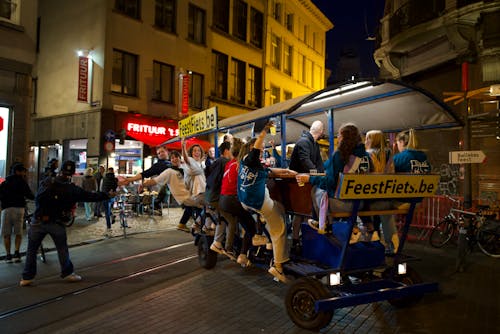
column 361, row 186
column 202, row 121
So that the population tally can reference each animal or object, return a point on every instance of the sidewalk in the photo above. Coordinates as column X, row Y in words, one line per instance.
column 83, row 231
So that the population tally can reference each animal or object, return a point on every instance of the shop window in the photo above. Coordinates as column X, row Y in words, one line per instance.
column 165, row 15
column 10, row 11
column 221, row 15
column 276, row 51
column 124, row 73
column 237, row 84
column 254, row 86
column 256, row 23
column 240, row 20
column 219, row 73
column 196, row 24
column 196, row 90
column 163, row 82
column 130, row 8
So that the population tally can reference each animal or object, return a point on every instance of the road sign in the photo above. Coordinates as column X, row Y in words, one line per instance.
column 109, row 135
column 109, row 146
column 467, row 157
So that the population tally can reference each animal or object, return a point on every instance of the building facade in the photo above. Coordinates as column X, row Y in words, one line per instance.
column 18, row 31
column 450, row 46
column 115, row 76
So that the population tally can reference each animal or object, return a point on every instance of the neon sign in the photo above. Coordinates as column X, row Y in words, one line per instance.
column 151, row 129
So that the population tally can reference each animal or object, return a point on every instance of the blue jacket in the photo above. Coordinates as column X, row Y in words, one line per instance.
column 336, row 165
column 252, row 177
column 411, row 161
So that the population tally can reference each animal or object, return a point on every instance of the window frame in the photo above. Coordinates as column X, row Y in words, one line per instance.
column 123, row 75
column 197, row 35
column 14, row 12
column 221, row 15
column 256, row 24
column 162, row 22
column 237, row 80
column 220, row 64
column 276, row 44
column 287, row 58
column 199, row 101
column 275, row 98
column 126, row 5
column 254, row 92
column 240, row 18
column 171, row 79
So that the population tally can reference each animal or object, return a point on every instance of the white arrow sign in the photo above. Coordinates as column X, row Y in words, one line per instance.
column 467, row 157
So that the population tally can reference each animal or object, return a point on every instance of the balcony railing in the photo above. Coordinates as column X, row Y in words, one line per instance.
column 413, row 13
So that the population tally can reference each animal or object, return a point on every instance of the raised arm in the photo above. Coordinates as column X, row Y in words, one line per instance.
column 184, row 152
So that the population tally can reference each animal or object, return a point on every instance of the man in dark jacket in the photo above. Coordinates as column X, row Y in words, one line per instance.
column 109, row 184
column 54, row 203
column 306, row 157
column 13, row 192
column 156, row 169
column 98, row 206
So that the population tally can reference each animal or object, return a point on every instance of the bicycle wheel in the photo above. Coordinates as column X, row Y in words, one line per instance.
column 488, row 238
column 442, row 233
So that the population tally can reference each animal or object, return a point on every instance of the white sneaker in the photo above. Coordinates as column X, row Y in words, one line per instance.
column 259, row 240
column 216, row 246
column 243, row 260
column 73, row 278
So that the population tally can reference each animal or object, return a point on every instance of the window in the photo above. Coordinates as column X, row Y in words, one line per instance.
column 196, row 24
column 302, row 68
column 254, row 86
column 287, row 95
column 237, row 84
column 10, row 11
column 277, row 11
column 165, row 11
column 256, row 23
column 124, row 73
column 196, row 90
column 275, row 94
column 306, row 32
column 219, row 73
column 287, row 63
column 289, row 22
column 276, row 51
column 130, row 8
column 308, row 72
column 240, row 19
column 221, row 15
column 163, row 82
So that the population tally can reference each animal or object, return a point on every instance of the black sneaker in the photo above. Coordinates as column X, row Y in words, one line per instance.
column 8, row 258
column 17, row 257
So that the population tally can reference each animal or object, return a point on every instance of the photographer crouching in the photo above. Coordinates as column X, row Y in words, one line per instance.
column 54, row 206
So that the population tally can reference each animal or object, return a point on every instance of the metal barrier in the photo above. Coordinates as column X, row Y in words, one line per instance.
column 428, row 214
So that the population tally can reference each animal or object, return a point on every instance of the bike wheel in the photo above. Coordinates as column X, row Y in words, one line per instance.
column 442, row 233
column 488, row 238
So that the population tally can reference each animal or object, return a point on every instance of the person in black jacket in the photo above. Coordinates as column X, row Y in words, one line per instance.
column 13, row 193
column 109, row 183
column 305, row 158
column 54, row 203
column 156, row 169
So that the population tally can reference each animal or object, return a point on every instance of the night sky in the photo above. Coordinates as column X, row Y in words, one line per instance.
column 354, row 21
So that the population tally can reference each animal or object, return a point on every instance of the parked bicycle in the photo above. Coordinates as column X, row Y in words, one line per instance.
column 122, row 210
column 479, row 229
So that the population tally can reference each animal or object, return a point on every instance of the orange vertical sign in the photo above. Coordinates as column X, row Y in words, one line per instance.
column 185, row 94
column 83, row 78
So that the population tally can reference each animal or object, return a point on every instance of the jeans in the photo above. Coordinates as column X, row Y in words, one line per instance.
column 88, row 210
column 98, row 208
column 36, row 233
column 231, row 209
column 273, row 214
column 108, row 205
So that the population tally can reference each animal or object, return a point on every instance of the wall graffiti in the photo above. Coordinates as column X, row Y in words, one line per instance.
column 450, row 176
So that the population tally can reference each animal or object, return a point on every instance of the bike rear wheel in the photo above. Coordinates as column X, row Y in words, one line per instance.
column 442, row 233
column 488, row 238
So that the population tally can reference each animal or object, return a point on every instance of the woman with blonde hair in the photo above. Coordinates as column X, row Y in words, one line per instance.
column 410, row 159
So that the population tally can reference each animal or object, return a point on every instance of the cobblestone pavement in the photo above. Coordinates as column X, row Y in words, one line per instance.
column 83, row 231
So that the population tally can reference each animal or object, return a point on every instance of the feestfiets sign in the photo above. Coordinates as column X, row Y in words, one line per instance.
column 202, row 121
column 362, row 186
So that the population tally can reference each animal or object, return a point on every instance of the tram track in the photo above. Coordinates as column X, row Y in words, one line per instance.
column 175, row 260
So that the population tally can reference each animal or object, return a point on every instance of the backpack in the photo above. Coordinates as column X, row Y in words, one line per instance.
column 55, row 203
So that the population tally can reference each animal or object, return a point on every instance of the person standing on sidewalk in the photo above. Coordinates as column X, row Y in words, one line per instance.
column 13, row 193
column 109, row 184
column 89, row 184
column 54, row 204
column 98, row 206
